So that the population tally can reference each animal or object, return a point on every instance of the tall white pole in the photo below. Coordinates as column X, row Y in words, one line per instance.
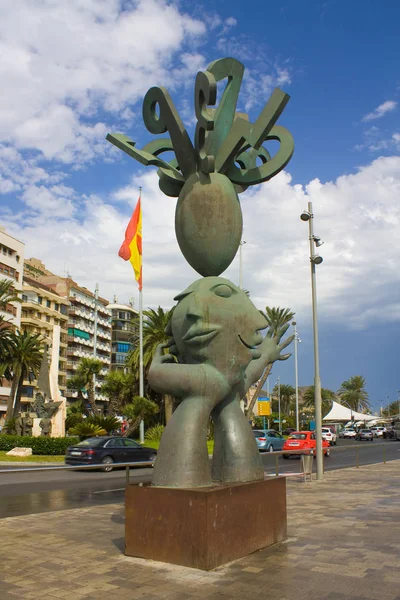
column 241, row 264
column 141, row 378
column 96, row 301
column 317, row 379
column 296, row 373
column 279, row 404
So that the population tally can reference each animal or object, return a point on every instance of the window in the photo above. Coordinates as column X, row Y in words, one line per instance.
column 64, row 309
column 39, row 299
column 121, row 315
column 297, row 436
column 115, row 443
column 24, row 298
column 131, row 443
column 123, row 347
column 48, row 303
column 47, row 319
column 27, row 391
column 56, row 306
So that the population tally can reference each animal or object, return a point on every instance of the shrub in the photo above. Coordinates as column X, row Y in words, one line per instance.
column 110, row 423
column 153, row 434
column 86, row 430
column 40, row 445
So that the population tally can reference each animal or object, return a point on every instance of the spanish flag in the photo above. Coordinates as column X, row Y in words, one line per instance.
column 131, row 248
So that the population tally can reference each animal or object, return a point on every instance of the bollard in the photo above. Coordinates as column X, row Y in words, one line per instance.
column 357, row 458
column 127, row 475
column 277, row 465
column 384, row 455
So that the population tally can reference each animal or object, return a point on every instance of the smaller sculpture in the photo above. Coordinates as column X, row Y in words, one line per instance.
column 27, row 423
column 45, row 426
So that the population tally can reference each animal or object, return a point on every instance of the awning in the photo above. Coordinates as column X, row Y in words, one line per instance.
column 340, row 413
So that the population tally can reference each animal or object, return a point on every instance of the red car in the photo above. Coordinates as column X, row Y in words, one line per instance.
column 303, row 440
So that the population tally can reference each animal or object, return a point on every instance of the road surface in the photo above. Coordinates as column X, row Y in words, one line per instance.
column 36, row 492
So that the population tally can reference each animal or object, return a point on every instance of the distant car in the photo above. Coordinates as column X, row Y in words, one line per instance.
column 364, row 434
column 378, row 431
column 349, row 433
column 108, row 451
column 329, row 435
column 288, row 431
column 268, row 440
column 304, row 440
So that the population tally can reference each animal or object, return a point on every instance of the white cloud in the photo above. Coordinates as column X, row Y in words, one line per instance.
column 358, row 217
column 62, row 63
column 381, row 110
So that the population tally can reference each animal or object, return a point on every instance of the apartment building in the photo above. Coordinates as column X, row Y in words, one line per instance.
column 11, row 268
column 89, row 324
column 45, row 312
column 122, row 328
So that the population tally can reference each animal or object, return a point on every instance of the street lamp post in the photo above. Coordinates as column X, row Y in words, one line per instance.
column 297, row 340
column 279, row 404
column 315, row 259
column 241, row 264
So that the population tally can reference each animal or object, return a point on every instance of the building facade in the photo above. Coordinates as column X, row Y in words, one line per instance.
column 123, row 333
column 89, row 326
column 11, row 268
column 45, row 312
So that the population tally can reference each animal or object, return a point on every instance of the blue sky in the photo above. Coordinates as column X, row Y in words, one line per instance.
column 73, row 71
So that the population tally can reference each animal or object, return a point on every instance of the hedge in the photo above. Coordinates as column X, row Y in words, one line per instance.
column 39, row 445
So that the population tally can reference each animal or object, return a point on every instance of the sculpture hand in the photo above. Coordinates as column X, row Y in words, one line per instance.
column 270, row 349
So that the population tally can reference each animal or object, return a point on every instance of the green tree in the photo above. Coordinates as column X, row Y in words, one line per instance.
column 287, row 392
column 278, row 320
column 83, row 380
column 155, row 332
column 353, row 392
column 119, row 387
column 140, row 409
column 8, row 293
column 309, row 399
column 85, row 430
column 23, row 361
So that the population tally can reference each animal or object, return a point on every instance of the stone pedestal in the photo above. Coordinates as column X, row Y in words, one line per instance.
column 206, row 527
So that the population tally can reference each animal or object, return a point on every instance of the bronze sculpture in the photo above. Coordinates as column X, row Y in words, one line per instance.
column 216, row 351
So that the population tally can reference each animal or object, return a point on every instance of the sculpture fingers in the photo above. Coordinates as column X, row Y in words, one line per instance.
column 282, row 331
column 285, row 356
column 286, row 342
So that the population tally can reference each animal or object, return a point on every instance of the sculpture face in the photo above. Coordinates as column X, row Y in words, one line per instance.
column 216, row 323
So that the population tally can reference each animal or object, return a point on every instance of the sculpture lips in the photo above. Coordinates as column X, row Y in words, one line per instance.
column 199, row 336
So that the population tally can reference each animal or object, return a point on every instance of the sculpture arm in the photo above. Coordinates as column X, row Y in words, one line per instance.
column 169, row 377
column 270, row 349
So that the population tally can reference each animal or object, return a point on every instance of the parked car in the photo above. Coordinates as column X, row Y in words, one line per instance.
column 349, row 433
column 329, row 435
column 107, row 450
column 378, row 431
column 304, row 440
column 364, row 434
column 268, row 440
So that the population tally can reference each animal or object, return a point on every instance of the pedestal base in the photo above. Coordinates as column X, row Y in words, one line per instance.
column 206, row 527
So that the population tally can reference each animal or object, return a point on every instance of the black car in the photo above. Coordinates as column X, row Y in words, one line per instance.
column 107, row 450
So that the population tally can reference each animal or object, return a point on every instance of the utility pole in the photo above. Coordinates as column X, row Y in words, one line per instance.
column 96, row 301
column 296, row 373
column 279, row 404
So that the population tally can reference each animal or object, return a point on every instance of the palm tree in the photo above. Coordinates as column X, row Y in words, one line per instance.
column 277, row 319
column 119, row 387
column 88, row 368
column 286, row 392
column 353, row 392
column 24, row 360
column 326, row 395
column 155, row 324
column 8, row 293
column 138, row 410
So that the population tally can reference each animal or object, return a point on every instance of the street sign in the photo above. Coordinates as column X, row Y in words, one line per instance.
column 312, row 425
column 276, row 420
column 264, row 409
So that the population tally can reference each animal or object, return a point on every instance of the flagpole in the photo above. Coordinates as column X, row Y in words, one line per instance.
column 141, row 381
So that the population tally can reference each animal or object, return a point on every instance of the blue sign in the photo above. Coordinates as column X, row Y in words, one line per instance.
column 263, row 399
column 312, row 425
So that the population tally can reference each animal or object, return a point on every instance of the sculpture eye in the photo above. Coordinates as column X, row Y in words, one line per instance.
column 222, row 290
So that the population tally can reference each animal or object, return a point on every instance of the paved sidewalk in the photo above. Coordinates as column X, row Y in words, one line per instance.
column 344, row 543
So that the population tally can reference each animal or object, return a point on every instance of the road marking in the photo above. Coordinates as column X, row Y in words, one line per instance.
column 106, row 491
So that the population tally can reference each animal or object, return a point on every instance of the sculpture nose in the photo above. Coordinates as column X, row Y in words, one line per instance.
column 194, row 308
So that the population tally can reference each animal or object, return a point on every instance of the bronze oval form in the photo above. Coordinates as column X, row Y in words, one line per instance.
column 208, row 223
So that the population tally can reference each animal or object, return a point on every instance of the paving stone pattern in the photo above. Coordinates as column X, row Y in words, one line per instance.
column 344, row 543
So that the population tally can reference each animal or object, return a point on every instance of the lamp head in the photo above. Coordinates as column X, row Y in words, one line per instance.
column 317, row 241
column 316, row 259
column 305, row 215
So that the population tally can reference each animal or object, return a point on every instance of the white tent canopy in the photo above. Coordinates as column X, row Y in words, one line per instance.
column 339, row 413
